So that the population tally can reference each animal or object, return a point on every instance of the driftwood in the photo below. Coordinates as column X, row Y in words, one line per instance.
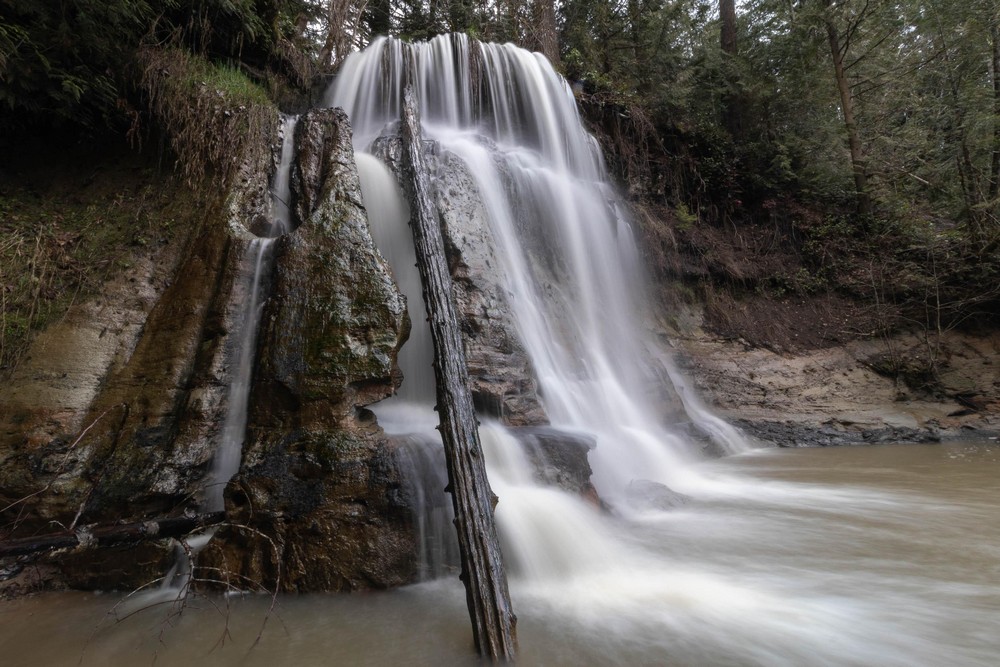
column 94, row 537
column 483, row 574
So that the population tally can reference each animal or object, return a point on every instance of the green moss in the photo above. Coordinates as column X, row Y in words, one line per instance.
column 685, row 219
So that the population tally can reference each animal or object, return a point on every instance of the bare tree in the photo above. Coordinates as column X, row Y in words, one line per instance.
column 343, row 30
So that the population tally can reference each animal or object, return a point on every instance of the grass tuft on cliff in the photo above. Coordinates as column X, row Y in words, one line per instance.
column 212, row 113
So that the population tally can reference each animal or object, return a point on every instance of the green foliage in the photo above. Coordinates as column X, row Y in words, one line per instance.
column 685, row 219
column 73, row 62
column 213, row 113
column 63, row 59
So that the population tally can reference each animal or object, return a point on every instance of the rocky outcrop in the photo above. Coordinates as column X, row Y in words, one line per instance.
column 119, row 412
column 124, row 406
column 559, row 457
column 317, row 496
column 503, row 384
column 647, row 495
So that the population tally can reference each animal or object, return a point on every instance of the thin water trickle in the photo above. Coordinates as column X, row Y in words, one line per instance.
column 280, row 205
column 228, row 451
column 255, row 265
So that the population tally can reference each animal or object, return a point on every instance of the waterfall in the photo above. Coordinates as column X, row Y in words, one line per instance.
column 229, row 448
column 256, row 264
column 569, row 257
column 571, row 277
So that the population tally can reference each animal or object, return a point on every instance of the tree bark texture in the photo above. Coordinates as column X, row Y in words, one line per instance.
column 727, row 13
column 483, row 574
column 545, row 29
column 110, row 536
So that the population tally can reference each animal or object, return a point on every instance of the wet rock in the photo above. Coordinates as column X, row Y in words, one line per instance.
column 126, row 429
column 559, row 457
column 797, row 434
column 499, row 369
column 318, row 490
column 145, row 373
column 316, row 510
column 647, row 495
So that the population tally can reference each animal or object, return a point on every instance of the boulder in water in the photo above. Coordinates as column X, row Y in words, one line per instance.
column 645, row 494
column 559, row 457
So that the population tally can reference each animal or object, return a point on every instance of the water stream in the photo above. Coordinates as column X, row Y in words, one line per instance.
column 255, row 265
column 861, row 556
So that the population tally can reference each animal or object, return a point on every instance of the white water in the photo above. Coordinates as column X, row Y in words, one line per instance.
column 281, row 214
column 569, row 259
column 849, row 557
column 881, row 556
column 756, row 571
column 570, row 272
column 229, row 448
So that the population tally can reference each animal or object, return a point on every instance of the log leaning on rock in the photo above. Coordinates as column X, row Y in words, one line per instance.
column 483, row 574
column 92, row 537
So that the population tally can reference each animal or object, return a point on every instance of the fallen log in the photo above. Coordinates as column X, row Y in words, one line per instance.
column 95, row 537
column 483, row 574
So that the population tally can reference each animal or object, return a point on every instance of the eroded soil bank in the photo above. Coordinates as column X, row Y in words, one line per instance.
column 904, row 388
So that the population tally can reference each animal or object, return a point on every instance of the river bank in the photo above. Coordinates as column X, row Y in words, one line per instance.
column 844, row 394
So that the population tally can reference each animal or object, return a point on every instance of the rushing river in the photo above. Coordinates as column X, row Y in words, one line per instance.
column 885, row 555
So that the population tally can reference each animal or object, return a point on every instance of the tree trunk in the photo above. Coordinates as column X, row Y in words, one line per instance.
column 545, row 30
column 727, row 13
column 995, row 162
column 731, row 99
column 110, row 536
column 847, row 107
column 493, row 620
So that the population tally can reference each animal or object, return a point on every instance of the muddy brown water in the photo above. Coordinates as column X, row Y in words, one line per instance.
column 886, row 555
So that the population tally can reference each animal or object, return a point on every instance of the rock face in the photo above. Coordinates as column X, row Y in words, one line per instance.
column 117, row 415
column 318, row 490
column 133, row 437
column 499, row 369
column 646, row 495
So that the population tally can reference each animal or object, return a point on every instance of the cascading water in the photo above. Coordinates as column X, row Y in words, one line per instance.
column 408, row 413
column 848, row 557
column 255, row 264
column 661, row 583
column 569, row 259
column 571, row 277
